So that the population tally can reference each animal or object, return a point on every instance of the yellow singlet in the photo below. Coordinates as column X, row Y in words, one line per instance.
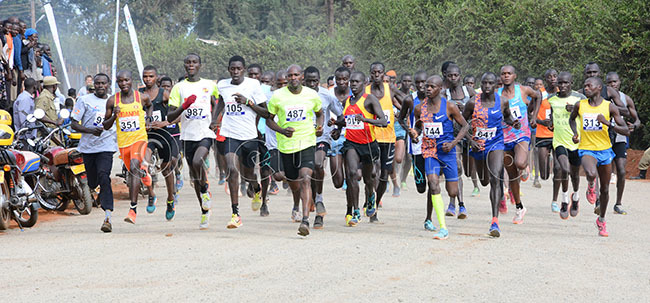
column 593, row 134
column 385, row 134
column 130, row 122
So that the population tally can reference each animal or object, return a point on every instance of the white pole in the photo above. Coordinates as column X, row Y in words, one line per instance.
column 134, row 41
column 55, row 35
column 114, row 66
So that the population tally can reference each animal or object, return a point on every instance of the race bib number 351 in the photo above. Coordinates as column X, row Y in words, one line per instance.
column 296, row 114
column 130, row 124
column 590, row 122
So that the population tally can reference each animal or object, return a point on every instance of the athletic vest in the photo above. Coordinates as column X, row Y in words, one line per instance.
column 593, row 134
column 543, row 114
column 130, row 121
column 385, row 134
column 487, row 124
column 465, row 95
column 415, row 148
column 160, row 110
column 357, row 131
column 519, row 111
column 618, row 137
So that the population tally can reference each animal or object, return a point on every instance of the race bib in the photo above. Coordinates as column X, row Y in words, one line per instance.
column 99, row 119
column 548, row 114
column 195, row 113
column 351, row 122
column 130, row 124
column 516, row 112
column 156, row 116
column 296, row 114
column 433, row 130
column 590, row 122
column 234, row 109
column 387, row 113
column 485, row 133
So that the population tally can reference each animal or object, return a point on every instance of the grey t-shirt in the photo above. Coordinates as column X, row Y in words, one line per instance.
column 90, row 111
column 329, row 104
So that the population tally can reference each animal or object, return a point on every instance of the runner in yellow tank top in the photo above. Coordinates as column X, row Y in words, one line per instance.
column 388, row 96
column 595, row 148
column 126, row 108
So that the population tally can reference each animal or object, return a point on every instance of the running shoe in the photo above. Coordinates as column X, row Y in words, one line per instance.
column 451, row 210
column 591, row 194
column 442, row 234
column 318, row 222
column 519, row 216
column 462, row 212
column 130, row 218
column 221, row 181
column 320, row 209
column 494, row 230
column 351, row 221
column 554, row 207
column 428, row 225
column 274, row 190
column 564, row 211
column 151, row 205
column 179, row 182
column 525, row 175
column 512, row 197
column 250, row 192
column 235, row 221
column 575, row 198
column 602, row 228
column 537, row 184
column 303, row 230
column 205, row 221
column 206, row 202
column 403, row 186
column 106, row 226
column 370, row 208
column 171, row 210
column 374, row 219
column 619, row 210
column 503, row 207
column 256, row 203
column 357, row 215
column 296, row 216
column 146, row 180
column 396, row 191
column 264, row 210
column 476, row 192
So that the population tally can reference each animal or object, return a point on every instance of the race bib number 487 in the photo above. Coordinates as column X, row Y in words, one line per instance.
column 296, row 114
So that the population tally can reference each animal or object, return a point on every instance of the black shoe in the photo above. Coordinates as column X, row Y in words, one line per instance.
column 374, row 219
column 264, row 210
column 574, row 208
column 303, row 230
column 318, row 222
column 564, row 211
column 106, row 226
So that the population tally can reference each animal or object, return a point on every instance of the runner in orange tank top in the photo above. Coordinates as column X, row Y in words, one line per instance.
column 126, row 108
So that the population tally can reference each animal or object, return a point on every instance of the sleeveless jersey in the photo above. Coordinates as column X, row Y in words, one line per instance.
column 543, row 114
column 415, row 148
column 436, row 128
column 357, row 131
column 385, row 134
column 465, row 96
column 130, row 121
column 618, row 137
column 593, row 134
column 160, row 111
column 519, row 110
column 487, row 124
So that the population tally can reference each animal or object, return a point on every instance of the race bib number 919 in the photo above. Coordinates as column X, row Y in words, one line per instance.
column 351, row 122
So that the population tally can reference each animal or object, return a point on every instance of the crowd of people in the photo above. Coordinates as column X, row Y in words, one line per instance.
column 268, row 128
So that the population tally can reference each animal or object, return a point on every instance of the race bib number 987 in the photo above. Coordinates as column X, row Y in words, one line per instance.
column 99, row 119
column 194, row 113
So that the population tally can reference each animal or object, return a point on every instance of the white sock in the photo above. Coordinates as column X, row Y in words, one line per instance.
column 565, row 197
column 108, row 215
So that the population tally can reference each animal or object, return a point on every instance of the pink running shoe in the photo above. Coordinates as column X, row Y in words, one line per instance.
column 503, row 207
column 602, row 228
column 591, row 194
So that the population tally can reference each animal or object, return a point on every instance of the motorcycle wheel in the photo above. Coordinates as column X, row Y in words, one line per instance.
column 28, row 216
column 63, row 206
column 83, row 201
column 5, row 213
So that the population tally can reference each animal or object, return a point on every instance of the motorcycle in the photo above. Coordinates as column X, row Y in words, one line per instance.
column 62, row 178
column 17, row 199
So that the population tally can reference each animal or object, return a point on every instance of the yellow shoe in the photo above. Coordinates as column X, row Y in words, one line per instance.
column 351, row 221
column 235, row 222
column 256, row 203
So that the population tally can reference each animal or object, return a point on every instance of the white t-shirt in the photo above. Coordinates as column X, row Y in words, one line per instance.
column 238, row 120
column 196, row 119
column 90, row 110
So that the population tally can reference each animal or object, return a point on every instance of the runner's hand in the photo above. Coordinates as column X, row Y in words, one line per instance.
column 517, row 124
column 533, row 124
column 331, row 122
column 97, row 131
column 359, row 117
column 475, row 146
column 631, row 126
column 336, row 134
column 189, row 101
column 240, row 98
column 288, row 132
column 116, row 110
column 319, row 131
column 214, row 126
column 447, row 146
column 569, row 107
column 602, row 120
column 159, row 124
column 576, row 139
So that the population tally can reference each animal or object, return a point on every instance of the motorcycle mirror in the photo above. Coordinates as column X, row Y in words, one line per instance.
column 31, row 142
column 39, row 113
column 64, row 113
column 67, row 132
column 31, row 118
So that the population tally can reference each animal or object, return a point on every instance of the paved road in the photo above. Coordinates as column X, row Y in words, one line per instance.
column 397, row 260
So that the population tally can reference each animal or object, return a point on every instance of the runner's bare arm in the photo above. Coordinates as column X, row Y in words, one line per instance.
column 533, row 105
column 620, row 126
column 76, row 126
column 572, row 121
column 375, row 108
column 174, row 113
column 407, row 107
column 319, row 122
column 109, row 117
column 633, row 114
column 215, row 119
column 417, row 124
column 616, row 99
column 148, row 109
column 397, row 96
column 270, row 122
column 468, row 111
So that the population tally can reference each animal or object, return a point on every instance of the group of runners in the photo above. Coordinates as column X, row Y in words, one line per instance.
column 284, row 126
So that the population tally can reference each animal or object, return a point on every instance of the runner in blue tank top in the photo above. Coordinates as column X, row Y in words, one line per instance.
column 487, row 111
column 517, row 140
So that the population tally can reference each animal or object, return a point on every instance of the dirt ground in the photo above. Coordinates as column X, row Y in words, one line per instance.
column 66, row 258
